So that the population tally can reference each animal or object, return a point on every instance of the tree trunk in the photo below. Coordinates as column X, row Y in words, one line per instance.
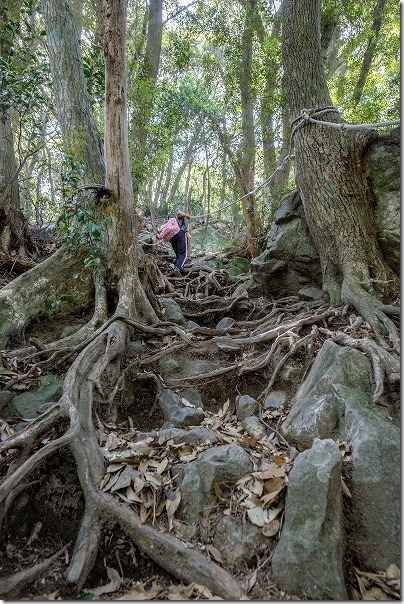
column 328, row 167
column 81, row 137
column 12, row 222
column 145, row 86
column 247, row 151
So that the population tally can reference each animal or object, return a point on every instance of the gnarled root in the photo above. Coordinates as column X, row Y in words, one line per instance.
column 385, row 365
column 375, row 313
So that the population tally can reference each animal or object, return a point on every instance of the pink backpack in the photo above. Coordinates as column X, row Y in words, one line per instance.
column 169, row 229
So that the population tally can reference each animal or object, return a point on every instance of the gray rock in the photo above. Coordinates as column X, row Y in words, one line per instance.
column 49, row 391
column 172, row 311
column 246, row 406
column 254, row 427
column 192, row 395
column 308, row 558
column 383, row 169
column 197, row 366
column 274, row 399
column 135, row 348
column 290, row 259
column 168, row 366
column 191, row 325
column 239, row 541
column 225, row 323
column 226, row 463
column 21, row 353
column 177, row 413
column 335, row 401
column 310, row 293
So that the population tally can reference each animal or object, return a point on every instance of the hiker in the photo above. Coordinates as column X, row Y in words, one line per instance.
column 178, row 237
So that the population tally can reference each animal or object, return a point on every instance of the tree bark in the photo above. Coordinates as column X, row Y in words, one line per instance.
column 369, row 52
column 81, row 136
column 247, row 150
column 337, row 200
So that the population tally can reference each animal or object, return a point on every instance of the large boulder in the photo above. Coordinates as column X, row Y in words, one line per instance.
column 290, row 260
column 335, row 401
column 308, row 557
column 383, row 169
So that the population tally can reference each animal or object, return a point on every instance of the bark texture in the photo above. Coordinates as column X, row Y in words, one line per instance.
column 337, row 200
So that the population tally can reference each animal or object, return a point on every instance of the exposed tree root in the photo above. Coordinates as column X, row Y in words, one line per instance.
column 375, row 313
column 23, row 577
column 96, row 376
column 385, row 365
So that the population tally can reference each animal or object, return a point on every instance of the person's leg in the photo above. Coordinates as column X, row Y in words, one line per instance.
column 174, row 245
column 182, row 246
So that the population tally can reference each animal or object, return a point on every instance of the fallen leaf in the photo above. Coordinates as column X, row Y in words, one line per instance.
column 256, row 516
column 113, row 585
column 215, row 553
column 271, row 529
column 375, row 593
column 345, row 489
column 172, row 504
column 144, row 513
column 393, row 572
column 279, row 460
column 249, row 582
column 138, row 592
column 162, row 466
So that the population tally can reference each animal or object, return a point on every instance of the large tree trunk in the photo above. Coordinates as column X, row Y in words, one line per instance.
column 247, row 150
column 144, row 88
column 337, row 200
column 12, row 222
column 81, row 136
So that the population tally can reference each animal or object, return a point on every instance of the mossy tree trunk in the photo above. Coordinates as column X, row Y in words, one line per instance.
column 337, row 199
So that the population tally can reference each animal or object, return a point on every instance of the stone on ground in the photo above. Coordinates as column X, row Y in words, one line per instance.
column 335, row 401
column 239, row 541
column 246, row 406
column 28, row 404
column 308, row 558
column 177, row 413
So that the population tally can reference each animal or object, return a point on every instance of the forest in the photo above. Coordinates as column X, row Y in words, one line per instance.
column 214, row 414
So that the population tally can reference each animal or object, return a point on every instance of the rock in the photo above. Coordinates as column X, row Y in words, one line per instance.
column 226, row 463
column 177, row 413
column 197, row 366
column 225, row 323
column 135, row 348
column 383, row 170
column 21, row 353
column 192, row 396
column 172, row 311
column 254, row 427
column 168, row 366
column 290, row 259
column 274, row 399
column 335, row 401
column 184, row 530
column 178, row 435
column 242, row 289
column 308, row 558
column 239, row 541
column 317, row 409
column 49, row 391
column 246, row 406
column 191, row 325
column 310, row 293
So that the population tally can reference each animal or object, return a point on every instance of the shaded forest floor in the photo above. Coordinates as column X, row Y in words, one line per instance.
column 269, row 345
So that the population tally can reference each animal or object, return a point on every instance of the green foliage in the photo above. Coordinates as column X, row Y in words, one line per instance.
column 78, row 225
